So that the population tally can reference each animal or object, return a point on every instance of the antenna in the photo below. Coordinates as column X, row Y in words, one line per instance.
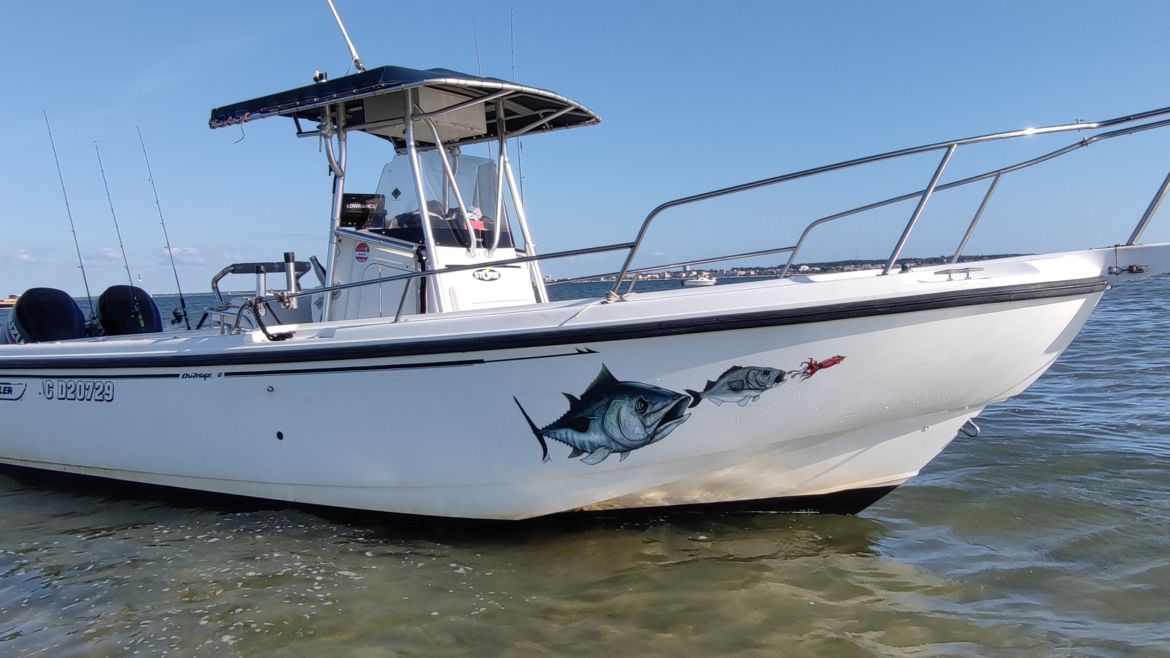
column 519, row 141
column 475, row 37
column 170, row 252
column 126, row 263
column 80, row 262
column 479, row 72
column 353, row 53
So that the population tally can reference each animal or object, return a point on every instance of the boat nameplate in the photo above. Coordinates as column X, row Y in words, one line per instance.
column 12, row 390
column 486, row 274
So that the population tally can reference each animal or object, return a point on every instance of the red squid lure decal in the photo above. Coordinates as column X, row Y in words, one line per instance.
column 812, row 366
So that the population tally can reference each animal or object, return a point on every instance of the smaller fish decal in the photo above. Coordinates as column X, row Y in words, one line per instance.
column 812, row 366
column 739, row 384
column 612, row 416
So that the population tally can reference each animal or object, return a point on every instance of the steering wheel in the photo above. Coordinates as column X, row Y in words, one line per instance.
column 452, row 218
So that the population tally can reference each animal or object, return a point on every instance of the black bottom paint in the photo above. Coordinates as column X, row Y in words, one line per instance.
column 841, row 502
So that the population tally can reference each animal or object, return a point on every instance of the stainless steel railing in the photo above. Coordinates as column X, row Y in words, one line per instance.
column 949, row 148
column 1125, row 125
column 994, row 175
column 293, row 270
column 284, row 297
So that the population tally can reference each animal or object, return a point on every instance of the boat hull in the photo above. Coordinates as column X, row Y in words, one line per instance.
column 414, row 429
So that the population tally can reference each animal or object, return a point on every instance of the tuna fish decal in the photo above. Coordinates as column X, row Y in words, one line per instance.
column 612, row 416
column 739, row 384
column 744, row 384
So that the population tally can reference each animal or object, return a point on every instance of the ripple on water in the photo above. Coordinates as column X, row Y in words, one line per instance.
column 1046, row 536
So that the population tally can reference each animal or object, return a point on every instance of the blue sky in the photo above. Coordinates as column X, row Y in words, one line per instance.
column 692, row 96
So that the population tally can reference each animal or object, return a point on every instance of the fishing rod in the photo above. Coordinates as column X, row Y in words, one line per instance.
column 170, row 252
column 125, row 262
column 135, row 310
column 80, row 262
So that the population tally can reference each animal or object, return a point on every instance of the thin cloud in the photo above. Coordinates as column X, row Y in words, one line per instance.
column 105, row 255
column 183, row 256
column 21, row 257
column 201, row 256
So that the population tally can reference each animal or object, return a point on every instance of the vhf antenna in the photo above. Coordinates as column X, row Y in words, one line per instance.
column 353, row 53
column 80, row 262
column 519, row 141
column 479, row 72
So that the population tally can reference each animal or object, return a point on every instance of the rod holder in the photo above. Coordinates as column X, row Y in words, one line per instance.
column 290, row 275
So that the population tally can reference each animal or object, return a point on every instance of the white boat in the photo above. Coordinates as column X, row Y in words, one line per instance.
column 432, row 376
column 700, row 280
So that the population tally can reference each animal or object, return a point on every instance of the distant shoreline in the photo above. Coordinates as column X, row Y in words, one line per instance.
column 774, row 271
column 752, row 272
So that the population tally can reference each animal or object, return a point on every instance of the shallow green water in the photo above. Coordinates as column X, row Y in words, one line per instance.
column 1049, row 535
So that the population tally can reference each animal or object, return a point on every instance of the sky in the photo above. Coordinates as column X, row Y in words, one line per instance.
column 693, row 96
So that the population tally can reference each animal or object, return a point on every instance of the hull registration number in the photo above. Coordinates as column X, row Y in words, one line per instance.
column 79, row 390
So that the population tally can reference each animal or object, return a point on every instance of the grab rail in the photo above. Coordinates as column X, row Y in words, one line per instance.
column 285, row 296
column 261, row 270
column 995, row 175
column 949, row 146
column 923, row 195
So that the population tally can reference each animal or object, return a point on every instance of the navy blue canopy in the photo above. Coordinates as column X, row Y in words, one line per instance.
column 369, row 106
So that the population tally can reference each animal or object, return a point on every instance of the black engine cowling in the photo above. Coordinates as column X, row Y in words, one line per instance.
column 44, row 314
column 123, row 310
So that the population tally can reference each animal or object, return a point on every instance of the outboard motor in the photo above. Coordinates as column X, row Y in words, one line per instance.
column 123, row 310
column 44, row 314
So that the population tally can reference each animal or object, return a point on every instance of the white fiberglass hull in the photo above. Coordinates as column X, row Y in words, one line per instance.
column 636, row 402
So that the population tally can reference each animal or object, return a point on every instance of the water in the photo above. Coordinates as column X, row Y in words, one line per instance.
column 1049, row 535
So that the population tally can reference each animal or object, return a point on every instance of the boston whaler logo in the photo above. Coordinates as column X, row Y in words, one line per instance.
column 486, row 274
column 11, row 390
